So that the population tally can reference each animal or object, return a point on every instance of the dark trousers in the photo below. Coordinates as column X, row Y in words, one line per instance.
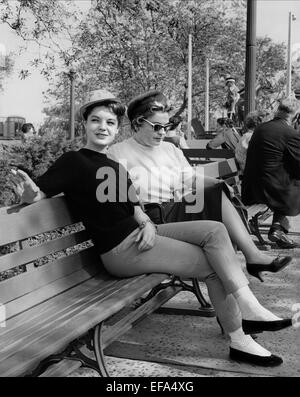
column 177, row 212
column 280, row 221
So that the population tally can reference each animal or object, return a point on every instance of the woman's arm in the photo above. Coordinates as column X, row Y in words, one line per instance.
column 216, row 141
column 57, row 179
column 146, row 235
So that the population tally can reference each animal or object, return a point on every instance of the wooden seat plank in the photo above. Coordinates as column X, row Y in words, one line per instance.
column 60, row 332
column 67, row 304
column 64, row 300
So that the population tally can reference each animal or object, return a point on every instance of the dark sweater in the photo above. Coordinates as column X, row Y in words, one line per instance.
column 77, row 175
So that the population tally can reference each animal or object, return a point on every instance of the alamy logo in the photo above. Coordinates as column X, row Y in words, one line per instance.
column 185, row 186
column 2, row 316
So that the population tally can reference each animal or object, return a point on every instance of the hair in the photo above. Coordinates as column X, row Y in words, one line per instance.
column 175, row 121
column 253, row 119
column 153, row 104
column 26, row 127
column 288, row 106
column 117, row 108
column 221, row 121
column 229, row 123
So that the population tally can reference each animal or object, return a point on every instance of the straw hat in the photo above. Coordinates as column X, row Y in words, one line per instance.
column 97, row 97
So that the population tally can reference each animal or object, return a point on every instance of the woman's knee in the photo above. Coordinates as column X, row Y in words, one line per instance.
column 217, row 231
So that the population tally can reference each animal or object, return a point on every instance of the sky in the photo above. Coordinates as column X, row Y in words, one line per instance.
column 25, row 97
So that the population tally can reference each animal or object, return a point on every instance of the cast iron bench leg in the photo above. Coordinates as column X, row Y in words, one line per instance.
column 255, row 227
column 72, row 352
column 98, row 349
column 205, row 310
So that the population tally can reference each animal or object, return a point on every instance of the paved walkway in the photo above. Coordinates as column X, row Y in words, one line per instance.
column 177, row 346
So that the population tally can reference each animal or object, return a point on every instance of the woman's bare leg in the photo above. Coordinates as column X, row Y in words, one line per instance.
column 239, row 234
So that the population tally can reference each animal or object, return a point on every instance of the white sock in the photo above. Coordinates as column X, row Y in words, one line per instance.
column 250, row 307
column 245, row 343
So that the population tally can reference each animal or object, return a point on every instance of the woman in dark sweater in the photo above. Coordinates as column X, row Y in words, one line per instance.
column 130, row 244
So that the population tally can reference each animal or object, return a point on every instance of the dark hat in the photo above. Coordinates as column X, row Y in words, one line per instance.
column 154, row 100
column 97, row 97
column 229, row 78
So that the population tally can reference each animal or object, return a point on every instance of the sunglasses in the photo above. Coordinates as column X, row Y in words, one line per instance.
column 157, row 126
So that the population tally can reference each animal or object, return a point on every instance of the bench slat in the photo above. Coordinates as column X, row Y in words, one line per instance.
column 40, row 217
column 64, row 307
column 23, row 303
column 208, row 154
column 58, row 304
column 25, row 283
column 59, row 333
column 28, row 255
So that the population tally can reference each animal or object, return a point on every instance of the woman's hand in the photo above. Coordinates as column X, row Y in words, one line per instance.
column 25, row 188
column 146, row 237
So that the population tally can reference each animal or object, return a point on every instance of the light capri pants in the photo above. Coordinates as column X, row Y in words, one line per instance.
column 194, row 249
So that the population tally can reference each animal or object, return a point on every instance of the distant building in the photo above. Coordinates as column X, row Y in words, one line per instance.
column 10, row 127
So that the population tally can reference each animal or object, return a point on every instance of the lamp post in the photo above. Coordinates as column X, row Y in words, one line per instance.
column 289, row 55
column 189, row 129
column 207, row 94
column 250, row 57
column 71, row 75
column 2, row 57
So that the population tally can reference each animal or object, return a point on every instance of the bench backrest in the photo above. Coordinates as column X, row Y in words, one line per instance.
column 225, row 169
column 63, row 265
column 203, row 156
column 217, row 163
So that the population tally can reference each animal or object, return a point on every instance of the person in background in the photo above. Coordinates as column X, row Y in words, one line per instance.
column 28, row 131
column 174, row 134
column 232, row 96
column 129, row 244
column 272, row 170
column 297, row 121
column 253, row 119
column 227, row 138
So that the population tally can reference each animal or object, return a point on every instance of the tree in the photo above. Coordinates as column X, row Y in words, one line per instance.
column 135, row 45
column 50, row 24
column 6, row 70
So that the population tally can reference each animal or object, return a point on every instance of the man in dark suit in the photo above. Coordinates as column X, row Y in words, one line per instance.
column 272, row 171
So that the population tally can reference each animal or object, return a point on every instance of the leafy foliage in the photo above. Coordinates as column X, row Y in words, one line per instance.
column 6, row 70
column 135, row 45
column 34, row 157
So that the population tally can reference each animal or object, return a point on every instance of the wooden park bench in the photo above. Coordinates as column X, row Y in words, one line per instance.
column 221, row 164
column 52, row 312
